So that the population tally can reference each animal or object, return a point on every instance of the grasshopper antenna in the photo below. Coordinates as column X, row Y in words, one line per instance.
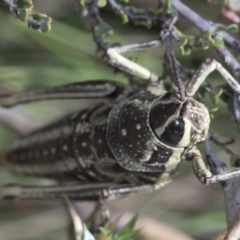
column 172, row 67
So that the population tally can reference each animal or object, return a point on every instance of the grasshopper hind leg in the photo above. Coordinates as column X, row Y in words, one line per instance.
column 82, row 192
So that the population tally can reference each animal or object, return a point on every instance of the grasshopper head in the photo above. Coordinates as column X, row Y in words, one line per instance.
column 179, row 123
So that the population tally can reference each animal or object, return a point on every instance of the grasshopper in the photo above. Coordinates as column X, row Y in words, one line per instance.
column 130, row 143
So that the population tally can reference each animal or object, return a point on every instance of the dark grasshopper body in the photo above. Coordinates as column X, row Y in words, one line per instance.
column 125, row 141
column 131, row 142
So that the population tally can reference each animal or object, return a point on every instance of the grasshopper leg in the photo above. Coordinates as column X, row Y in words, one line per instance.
column 114, row 58
column 91, row 192
column 113, row 55
column 204, row 70
column 202, row 172
column 79, row 90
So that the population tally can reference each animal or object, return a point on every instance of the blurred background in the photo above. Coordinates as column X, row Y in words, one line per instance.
column 30, row 60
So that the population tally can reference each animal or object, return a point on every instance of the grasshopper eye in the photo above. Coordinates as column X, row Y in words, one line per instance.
column 173, row 133
column 176, row 128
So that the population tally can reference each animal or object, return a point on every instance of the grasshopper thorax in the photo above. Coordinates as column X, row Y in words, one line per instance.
column 179, row 123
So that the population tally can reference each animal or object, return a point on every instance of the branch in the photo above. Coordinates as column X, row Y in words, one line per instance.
column 23, row 11
column 139, row 16
column 204, row 25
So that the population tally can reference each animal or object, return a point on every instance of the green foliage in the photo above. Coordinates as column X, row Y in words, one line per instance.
column 232, row 29
column 102, row 3
column 203, row 41
column 235, row 160
column 127, row 232
column 41, row 22
column 24, row 4
column 23, row 10
column 102, row 29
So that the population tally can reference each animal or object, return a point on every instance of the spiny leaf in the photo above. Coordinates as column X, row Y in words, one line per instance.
column 129, row 226
column 126, row 232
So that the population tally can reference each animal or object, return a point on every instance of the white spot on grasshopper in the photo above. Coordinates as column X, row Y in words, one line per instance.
column 138, row 126
column 83, row 127
column 124, row 132
column 81, row 161
column 65, row 147
column 91, row 173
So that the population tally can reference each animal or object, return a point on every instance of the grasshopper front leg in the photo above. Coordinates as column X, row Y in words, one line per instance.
column 202, row 172
column 202, row 73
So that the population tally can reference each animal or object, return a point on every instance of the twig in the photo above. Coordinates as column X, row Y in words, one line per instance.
column 216, row 166
column 204, row 25
column 236, row 109
column 14, row 8
column 23, row 11
column 232, row 209
column 129, row 11
column 233, row 232
column 10, row 4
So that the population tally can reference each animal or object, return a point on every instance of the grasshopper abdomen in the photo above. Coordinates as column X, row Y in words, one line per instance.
column 69, row 147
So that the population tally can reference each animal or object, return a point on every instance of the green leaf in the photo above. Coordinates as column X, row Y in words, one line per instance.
column 232, row 29
column 105, row 231
column 129, row 226
column 123, row 16
column 102, row 3
column 24, row 4
column 185, row 48
column 202, row 41
column 213, row 112
column 102, row 29
column 41, row 22
column 235, row 160
column 144, row 23
column 217, row 37
column 126, row 233
column 23, row 14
